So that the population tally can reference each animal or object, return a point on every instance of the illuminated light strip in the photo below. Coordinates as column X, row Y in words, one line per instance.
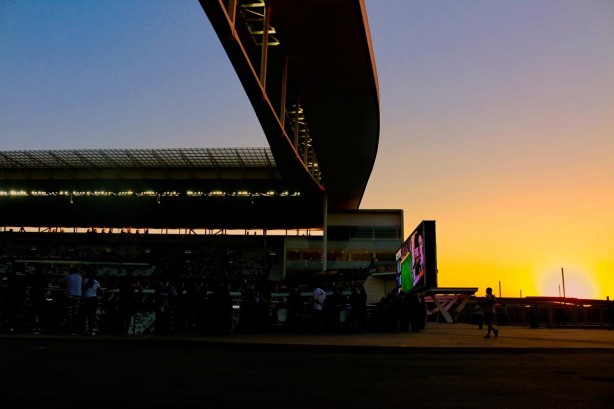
column 149, row 193
column 13, row 193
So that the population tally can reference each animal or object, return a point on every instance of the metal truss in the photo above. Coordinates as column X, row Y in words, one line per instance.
column 254, row 15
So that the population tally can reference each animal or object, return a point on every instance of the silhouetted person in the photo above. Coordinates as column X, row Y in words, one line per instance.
column 479, row 314
column 534, row 317
column 193, row 305
column 180, row 307
column 296, row 309
column 363, row 307
column 357, row 309
column 16, row 291
column 127, row 300
column 332, row 309
column 319, row 298
column 38, row 298
column 425, row 313
column 489, row 313
column 609, row 313
column 395, row 310
column 73, row 282
column 204, row 308
column 222, row 310
column 248, row 314
column 265, row 300
column 417, row 314
column 91, row 291
column 163, row 306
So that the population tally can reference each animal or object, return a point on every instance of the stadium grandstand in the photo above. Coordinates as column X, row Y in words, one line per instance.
column 287, row 214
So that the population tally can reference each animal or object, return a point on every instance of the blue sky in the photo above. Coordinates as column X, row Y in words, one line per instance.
column 497, row 117
column 117, row 74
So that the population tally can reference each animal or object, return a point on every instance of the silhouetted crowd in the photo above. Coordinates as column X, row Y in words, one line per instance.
column 401, row 312
column 132, row 282
column 79, row 301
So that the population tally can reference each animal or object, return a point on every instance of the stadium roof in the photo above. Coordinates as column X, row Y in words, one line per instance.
column 315, row 95
column 192, row 188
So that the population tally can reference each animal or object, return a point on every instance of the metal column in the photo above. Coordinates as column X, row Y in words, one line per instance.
column 325, row 235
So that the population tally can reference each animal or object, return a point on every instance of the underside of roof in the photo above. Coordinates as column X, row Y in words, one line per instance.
column 138, row 164
column 313, row 84
column 188, row 188
column 138, row 158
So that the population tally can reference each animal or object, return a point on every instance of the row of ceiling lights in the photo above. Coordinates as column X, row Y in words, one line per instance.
column 149, row 193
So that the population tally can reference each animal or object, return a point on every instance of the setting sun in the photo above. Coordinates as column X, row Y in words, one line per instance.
column 579, row 283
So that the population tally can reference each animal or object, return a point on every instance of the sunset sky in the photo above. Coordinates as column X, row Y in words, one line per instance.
column 497, row 117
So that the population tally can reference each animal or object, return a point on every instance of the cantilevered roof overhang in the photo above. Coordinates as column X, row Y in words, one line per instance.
column 319, row 58
column 222, row 188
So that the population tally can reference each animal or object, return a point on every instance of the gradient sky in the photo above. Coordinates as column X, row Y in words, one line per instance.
column 497, row 117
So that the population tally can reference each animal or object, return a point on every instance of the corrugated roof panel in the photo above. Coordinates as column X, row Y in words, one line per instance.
column 139, row 158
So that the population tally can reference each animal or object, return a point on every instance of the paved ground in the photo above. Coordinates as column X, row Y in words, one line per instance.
column 444, row 336
column 435, row 336
column 447, row 366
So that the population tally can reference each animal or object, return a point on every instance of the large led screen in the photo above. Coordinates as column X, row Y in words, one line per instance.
column 417, row 258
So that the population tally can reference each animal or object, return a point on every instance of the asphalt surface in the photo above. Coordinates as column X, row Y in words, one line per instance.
column 446, row 366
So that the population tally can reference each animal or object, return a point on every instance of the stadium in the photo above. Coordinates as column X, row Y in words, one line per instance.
column 286, row 213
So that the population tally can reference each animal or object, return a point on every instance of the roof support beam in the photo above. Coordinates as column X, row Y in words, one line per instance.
column 232, row 11
column 265, row 47
column 248, row 38
column 284, row 91
column 296, row 122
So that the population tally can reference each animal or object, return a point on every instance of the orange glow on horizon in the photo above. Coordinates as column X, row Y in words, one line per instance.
column 520, row 232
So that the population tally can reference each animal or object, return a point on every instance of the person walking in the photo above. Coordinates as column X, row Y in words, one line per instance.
column 489, row 313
